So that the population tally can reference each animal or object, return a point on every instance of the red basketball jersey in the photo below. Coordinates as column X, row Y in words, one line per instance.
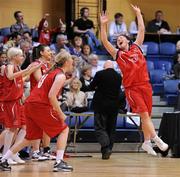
column 1, row 85
column 133, row 66
column 44, row 69
column 40, row 92
column 13, row 89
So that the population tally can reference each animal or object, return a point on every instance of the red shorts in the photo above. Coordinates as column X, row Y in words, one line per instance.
column 22, row 115
column 39, row 118
column 13, row 114
column 2, row 113
column 140, row 98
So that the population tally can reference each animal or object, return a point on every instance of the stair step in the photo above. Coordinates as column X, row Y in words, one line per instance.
column 161, row 110
column 156, row 98
column 160, row 103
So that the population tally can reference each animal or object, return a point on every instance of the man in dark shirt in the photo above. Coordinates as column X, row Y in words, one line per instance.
column 158, row 25
column 106, row 84
column 84, row 27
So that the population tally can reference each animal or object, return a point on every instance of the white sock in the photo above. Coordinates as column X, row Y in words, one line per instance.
column 20, row 136
column 8, row 155
column 59, row 155
column 147, row 141
column 7, row 141
column 156, row 138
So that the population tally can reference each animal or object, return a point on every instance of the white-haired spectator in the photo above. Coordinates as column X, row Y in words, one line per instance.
column 93, row 60
column 60, row 44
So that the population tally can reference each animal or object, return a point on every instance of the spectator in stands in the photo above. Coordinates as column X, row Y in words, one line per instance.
column 13, row 41
column 84, row 27
column 158, row 25
column 43, row 31
column 93, row 60
column 177, row 68
column 27, row 36
column 86, row 52
column 175, row 57
column 27, row 53
column 76, row 99
column 133, row 28
column 78, row 65
column 60, row 44
column 106, row 84
column 76, row 49
column 86, row 78
column 117, row 27
column 3, row 57
column 19, row 26
column 60, row 30
column 47, row 35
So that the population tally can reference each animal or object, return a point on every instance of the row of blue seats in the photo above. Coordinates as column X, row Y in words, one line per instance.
column 159, row 65
column 122, row 123
column 160, row 49
column 168, row 88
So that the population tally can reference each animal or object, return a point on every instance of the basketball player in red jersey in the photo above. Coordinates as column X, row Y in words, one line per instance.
column 135, row 78
column 3, row 64
column 12, row 98
column 45, row 54
column 43, row 113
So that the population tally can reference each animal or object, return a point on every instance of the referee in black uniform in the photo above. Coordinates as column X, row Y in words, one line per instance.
column 106, row 102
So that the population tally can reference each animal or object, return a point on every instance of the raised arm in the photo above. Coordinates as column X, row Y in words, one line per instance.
column 109, row 47
column 141, row 29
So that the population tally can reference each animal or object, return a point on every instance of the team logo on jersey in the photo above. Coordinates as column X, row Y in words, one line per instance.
column 133, row 58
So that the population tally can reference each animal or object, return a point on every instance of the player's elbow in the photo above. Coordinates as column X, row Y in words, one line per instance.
column 51, row 96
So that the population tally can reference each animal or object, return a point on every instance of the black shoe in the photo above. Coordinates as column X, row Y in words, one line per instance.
column 106, row 155
column 163, row 153
column 4, row 166
column 62, row 166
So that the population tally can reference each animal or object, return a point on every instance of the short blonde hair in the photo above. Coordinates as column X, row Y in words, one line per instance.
column 14, row 51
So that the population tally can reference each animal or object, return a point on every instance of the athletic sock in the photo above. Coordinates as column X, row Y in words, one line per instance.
column 59, row 155
column 8, row 141
column 20, row 136
column 8, row 155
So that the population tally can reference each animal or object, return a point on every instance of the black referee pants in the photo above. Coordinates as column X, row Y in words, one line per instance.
column 105, row 127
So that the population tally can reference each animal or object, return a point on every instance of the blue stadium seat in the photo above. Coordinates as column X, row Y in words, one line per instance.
column 150, row 65
column 171, row 91
column 5, row 31
column 167, row 48
column 157, row 78
column 152, row 49
column 163, row 65
column 120, row 122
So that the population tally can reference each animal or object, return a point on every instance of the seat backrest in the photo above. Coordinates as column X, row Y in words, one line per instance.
column 163, row 65
column 150, row 65
column 152, row 48
column 171, row 86
column 167, row 48
column 5, row 31
column 157, row 76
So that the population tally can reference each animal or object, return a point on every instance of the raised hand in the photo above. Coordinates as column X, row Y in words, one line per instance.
column 103, row 18
column 136, row 8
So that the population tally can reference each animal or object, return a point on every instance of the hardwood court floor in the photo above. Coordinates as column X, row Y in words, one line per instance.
column 120, row 165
